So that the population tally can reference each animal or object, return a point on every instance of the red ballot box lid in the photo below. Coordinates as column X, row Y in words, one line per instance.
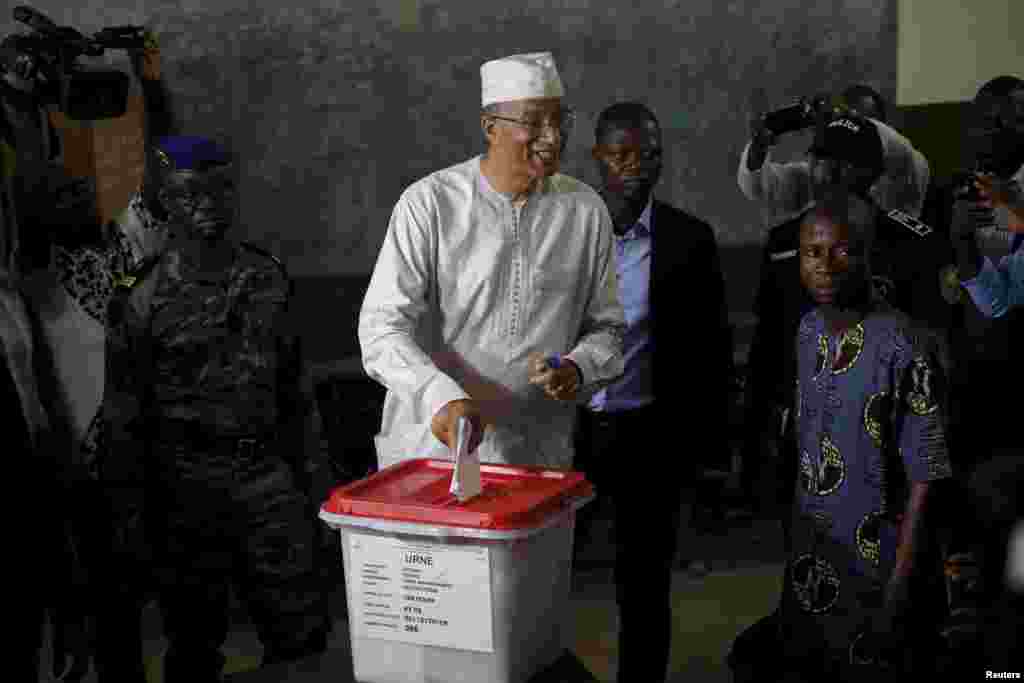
column 418, row 491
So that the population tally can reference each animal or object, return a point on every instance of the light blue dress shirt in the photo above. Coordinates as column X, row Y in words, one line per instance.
column 633, row 265
column 998, row 288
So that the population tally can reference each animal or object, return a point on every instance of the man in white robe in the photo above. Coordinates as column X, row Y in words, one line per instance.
column 485, row 263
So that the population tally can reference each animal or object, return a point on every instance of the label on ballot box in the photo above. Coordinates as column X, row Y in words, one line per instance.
column 421, row 593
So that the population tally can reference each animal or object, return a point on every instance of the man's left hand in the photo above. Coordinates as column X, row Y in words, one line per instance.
column 561, row 383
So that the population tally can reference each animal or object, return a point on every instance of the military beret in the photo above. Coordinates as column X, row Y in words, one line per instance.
column 190, row 153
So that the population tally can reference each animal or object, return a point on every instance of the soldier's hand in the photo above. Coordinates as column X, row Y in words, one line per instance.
column 560, row 383
column 445, row 424
column 146, row 62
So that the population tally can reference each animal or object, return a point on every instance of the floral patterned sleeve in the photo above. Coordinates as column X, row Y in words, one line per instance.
column 87, row 274
column 919, row 427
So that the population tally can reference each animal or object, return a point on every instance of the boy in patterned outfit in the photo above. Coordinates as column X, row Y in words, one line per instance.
column 872, row 446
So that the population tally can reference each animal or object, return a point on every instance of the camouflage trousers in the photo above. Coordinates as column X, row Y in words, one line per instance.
column 233, row 515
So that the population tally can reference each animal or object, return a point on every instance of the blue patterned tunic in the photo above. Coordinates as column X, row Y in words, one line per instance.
column 869, row 425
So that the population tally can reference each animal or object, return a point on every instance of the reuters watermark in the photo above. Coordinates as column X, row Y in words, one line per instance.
column 1002, row 675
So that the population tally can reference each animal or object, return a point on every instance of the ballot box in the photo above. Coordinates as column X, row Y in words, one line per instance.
column 457, row 592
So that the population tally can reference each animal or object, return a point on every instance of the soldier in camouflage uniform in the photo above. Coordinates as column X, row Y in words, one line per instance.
column 213, row 428
column 97, row 614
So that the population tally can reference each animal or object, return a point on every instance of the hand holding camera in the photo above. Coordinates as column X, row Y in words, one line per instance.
column 761, row 136
column 972, row 210
column 146, row 61
column 801, row 115
column 766, row 129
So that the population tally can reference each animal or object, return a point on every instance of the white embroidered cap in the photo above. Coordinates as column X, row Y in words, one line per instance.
column 520, row 77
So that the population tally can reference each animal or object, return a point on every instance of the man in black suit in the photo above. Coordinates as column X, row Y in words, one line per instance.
column 641, row 439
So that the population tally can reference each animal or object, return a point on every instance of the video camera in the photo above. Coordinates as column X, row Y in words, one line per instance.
column 802, row 114
column 81, row 93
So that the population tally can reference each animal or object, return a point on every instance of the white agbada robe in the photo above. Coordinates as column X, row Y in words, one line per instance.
column 466, row 286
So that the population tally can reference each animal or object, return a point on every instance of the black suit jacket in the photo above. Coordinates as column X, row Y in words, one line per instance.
column 692, row 338
column 780, row 303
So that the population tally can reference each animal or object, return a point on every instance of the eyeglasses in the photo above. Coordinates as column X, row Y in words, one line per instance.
column 562, row 122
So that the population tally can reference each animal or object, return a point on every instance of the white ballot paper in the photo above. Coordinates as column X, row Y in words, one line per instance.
column 466, row 476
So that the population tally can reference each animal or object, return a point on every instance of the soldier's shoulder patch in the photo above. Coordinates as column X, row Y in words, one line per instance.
column 910, row 223
column 783, row 255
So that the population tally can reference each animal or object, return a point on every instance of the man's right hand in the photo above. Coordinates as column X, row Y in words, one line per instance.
column 445, row 424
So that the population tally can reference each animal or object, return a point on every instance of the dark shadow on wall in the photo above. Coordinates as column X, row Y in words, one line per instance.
column 938, row 131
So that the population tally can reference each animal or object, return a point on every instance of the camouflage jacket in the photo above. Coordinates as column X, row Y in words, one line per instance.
column 220, row 355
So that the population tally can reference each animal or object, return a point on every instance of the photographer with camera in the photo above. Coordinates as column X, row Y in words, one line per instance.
column 997, row 189
column 989, row 198
column 902, row 185
column 68, row 264
column 989, row 440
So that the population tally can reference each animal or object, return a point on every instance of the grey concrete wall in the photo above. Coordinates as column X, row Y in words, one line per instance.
column 335, row 107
